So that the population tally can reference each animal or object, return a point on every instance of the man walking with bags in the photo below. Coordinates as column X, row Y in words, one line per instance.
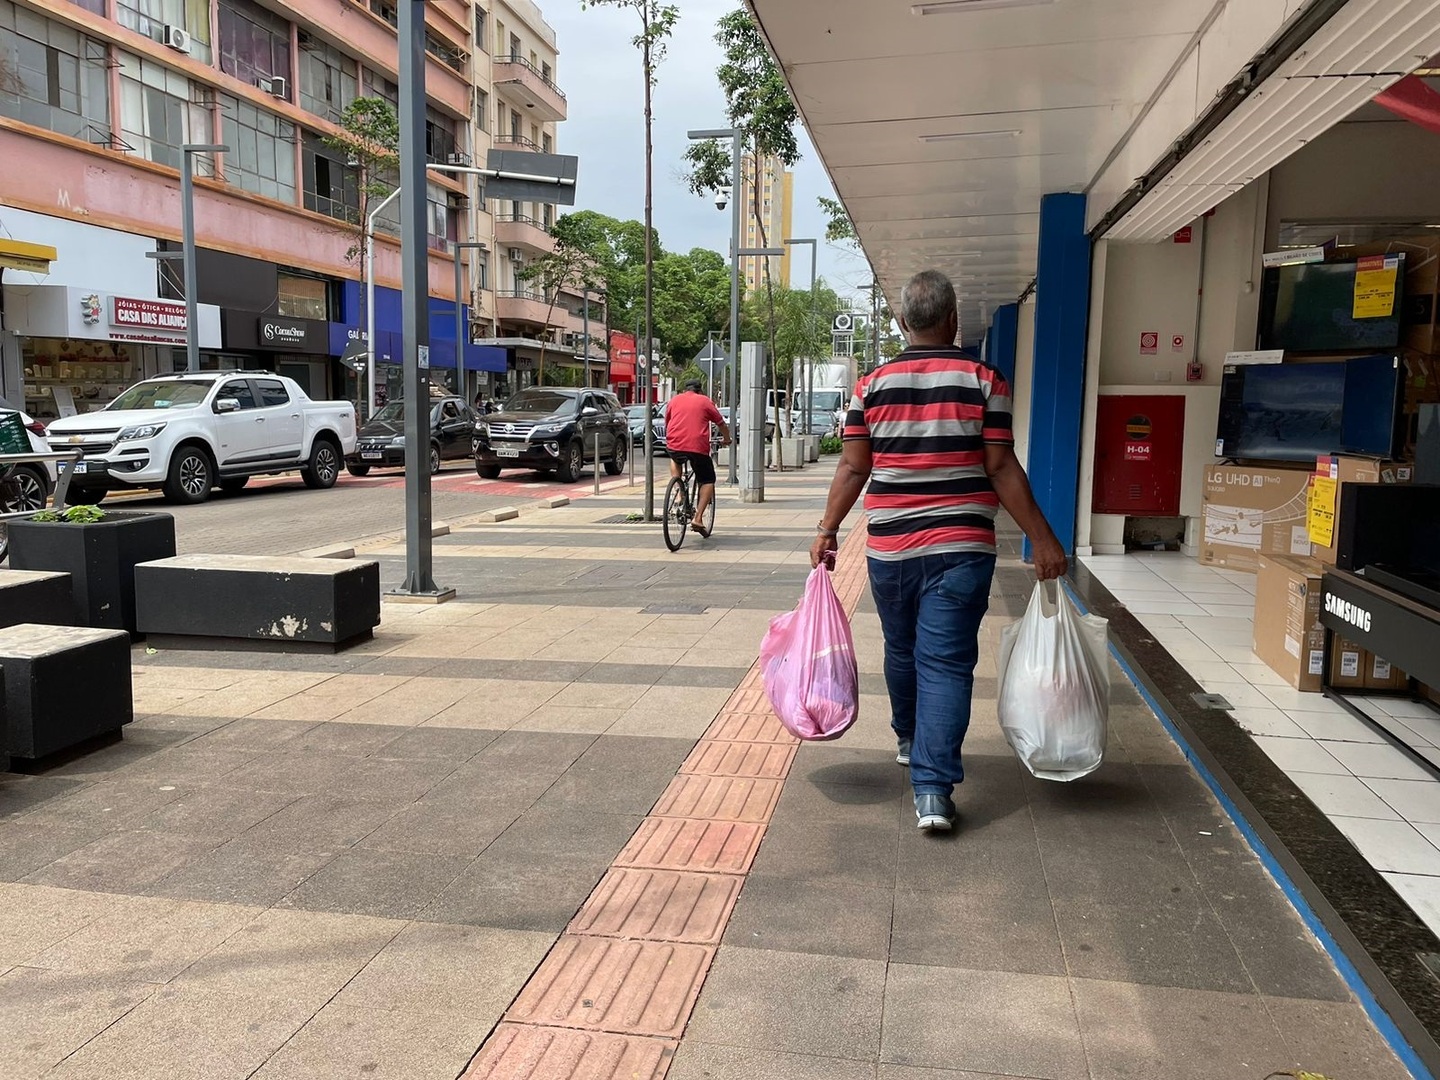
column 931, row 432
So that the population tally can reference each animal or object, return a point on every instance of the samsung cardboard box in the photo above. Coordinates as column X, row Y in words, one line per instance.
column 1348, row 664
column 1288, row 634
column 1252, row 511
column 1380, row 674
column 1332, row 473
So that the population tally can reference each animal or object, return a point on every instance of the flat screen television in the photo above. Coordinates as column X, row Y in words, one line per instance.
column 1298, row 411
column 1310, row 307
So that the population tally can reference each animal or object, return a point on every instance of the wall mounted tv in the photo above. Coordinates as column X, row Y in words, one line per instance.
column 1311, row 307
column 1298, row 411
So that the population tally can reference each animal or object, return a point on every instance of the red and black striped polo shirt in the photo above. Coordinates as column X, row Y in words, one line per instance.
column 928, row 415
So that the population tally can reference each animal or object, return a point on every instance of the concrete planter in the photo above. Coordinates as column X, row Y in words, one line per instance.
column 812, row 447
column 100, row 558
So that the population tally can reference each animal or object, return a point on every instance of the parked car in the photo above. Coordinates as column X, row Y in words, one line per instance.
column 381, row 442
column 189, row 433
column 29, row 482
column 729, row 413
column 553, row 429
column 635, row 417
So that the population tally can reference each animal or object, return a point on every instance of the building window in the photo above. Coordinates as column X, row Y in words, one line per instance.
column 254, row 43
column 381, row 87
column 479, row 29
column 482, row 268
column 442, row 219
column 514, row 124
column 482, row 110
column 328, row 78
column 97, row 6
column 547, row 143
column 447, row 54
column 515, row 47
column 440, row 138
column 150, row 17
column 386, row 10
column 331, row 187
column 262, row 150
column 303, row 297
column 547, row 73
column 57, row 78
column 160, row 111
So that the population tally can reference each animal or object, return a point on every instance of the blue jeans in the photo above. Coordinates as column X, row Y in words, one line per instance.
column 930, row 611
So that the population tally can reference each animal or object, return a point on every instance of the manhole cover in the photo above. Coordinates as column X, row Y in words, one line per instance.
column 623, row 519
column 1211, row 701
column 674, row 609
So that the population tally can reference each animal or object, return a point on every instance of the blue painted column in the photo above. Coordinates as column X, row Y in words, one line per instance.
column 1004, row 332
column 1062, row 308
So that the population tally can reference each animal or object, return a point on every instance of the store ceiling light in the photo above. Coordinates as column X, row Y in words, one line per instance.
column 961, row 136
column 962, row 7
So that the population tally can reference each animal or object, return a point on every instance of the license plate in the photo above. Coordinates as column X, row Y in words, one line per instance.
column 80, row 466
column 371, row 455
column 506, row 452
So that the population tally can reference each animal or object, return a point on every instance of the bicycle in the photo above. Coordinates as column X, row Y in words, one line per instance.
column 682, row 495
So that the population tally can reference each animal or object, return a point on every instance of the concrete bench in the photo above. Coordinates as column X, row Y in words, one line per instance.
column 250, row 601
column 63, row 686
column 36, row 596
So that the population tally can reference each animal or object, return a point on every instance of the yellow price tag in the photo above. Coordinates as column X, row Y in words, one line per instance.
column 1375, row 280
column 1321, row 516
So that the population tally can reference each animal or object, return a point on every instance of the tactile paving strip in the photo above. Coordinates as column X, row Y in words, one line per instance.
column 613, row 996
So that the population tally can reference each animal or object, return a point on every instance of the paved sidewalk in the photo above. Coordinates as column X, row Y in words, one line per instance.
column 488, row 843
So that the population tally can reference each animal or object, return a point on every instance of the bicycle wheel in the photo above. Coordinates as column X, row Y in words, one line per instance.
column 709, row 519
column 677, row 514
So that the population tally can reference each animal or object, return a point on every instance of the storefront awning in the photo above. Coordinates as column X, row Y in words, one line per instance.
column 19, row 255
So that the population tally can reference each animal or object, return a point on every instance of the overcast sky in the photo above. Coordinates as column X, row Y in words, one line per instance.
column 599, row 71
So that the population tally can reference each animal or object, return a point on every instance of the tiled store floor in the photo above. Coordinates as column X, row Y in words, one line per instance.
column 1388, row 806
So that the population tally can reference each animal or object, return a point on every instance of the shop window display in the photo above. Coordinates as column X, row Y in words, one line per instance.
column 88, row 375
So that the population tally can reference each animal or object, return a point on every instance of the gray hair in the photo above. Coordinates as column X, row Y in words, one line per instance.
column 927, row 300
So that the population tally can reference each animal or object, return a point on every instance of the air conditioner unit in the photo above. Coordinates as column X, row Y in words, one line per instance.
column 176, row 38
column 457, row 159
column 515, row 254
column 279, row 87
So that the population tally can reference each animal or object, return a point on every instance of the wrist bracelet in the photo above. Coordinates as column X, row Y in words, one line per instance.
column 829, row 534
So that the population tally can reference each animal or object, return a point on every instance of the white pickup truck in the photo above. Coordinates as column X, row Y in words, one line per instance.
column 189, row 433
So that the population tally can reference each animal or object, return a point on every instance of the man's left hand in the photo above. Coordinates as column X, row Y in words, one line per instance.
column 1050, row 561
column 823, row 548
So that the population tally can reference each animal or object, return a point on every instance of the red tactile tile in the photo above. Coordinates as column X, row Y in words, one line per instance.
column 739, row 759
column 607, row 984
column 523, row 1052
column 749, row 727
column 719, row 798
column 717, row 847
column 749, row 699
column 659, row 905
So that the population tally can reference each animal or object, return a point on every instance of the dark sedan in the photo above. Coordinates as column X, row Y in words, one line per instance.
column 381, row 440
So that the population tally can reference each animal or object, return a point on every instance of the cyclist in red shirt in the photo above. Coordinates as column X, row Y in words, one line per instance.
column 688, row 416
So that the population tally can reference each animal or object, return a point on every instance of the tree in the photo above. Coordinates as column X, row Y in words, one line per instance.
column 839, row 229
column 657, row 23
column 759, row 106
column 692, row 298
column 568, row 266
column 369, row 137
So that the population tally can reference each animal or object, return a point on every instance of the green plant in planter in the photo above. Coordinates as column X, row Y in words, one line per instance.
column 73, row 515
column 831, row 444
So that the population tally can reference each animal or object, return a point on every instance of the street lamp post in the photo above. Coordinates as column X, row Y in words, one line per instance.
column 187, row 224
column 810, row 382
column 736, row 138
column 461, row 338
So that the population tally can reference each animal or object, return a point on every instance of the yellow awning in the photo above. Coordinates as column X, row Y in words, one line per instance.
column 18, row 255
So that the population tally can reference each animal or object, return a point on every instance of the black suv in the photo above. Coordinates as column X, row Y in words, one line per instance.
column 553, row 429
column 380, row 443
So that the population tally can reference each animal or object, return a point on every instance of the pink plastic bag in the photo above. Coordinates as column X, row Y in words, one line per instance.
column 808, row 663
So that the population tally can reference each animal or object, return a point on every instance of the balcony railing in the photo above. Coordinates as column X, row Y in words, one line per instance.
column 521, row 219
column 521, row 294
column 512, row 59
column 517, row 142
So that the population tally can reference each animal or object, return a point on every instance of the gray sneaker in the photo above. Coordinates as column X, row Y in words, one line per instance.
column 935, row 813
column 902, row 755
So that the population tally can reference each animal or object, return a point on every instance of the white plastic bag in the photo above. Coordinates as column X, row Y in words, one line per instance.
column 1054, row 683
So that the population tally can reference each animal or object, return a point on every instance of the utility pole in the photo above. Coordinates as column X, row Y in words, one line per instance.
column 875, row 323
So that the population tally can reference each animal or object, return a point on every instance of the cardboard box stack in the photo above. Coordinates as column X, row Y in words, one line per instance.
column 1288, row 634
column 1332, row 473
column 1250, row 512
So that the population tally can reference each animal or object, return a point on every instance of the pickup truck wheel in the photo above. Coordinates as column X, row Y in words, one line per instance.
column 572, row 464
column 23, row 488
column 191, row 476
column 231, row 484
column 434, row 459
column 616, row 465
column 324, row 467
column 487, row 472
column 358, row 470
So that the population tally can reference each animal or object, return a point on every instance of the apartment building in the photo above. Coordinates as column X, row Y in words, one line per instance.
column 777, row 186
column 97, row 99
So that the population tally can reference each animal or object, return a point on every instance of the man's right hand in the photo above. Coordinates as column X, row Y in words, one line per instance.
column 1050, row 561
